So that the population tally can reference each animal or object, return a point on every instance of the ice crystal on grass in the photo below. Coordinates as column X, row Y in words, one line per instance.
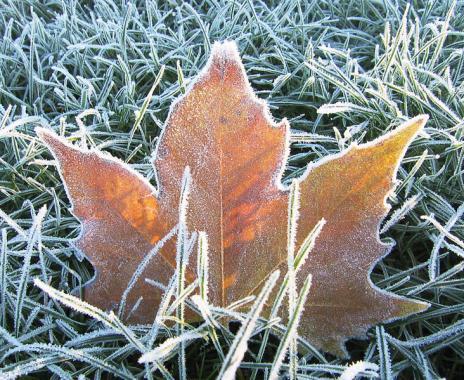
column 58, row 59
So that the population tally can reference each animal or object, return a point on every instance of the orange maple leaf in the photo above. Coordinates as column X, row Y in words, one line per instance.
column 237, row 154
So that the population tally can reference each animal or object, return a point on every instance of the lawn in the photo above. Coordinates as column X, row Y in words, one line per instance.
column 340, row 71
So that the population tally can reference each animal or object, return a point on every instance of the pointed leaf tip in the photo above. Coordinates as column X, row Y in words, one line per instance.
column 409, row 307
column 397, row 141
column 43, row 133
column 57, row 144
column 225, row 51
column 225, row 64
column 412, row 127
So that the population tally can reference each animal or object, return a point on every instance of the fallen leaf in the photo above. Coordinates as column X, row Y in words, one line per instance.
column 237, row 154
column 349, row 190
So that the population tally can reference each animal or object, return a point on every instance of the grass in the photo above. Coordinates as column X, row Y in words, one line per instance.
column 340, row 71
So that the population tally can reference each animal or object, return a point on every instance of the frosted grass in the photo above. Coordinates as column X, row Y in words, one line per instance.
column 366, row 66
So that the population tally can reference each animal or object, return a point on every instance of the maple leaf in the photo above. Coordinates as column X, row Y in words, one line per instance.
column 237, row 154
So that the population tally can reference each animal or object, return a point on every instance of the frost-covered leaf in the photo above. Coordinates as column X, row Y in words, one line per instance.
column 236, row 155
column 349, row 191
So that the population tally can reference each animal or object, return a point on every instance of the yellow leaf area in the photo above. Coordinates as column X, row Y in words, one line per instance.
column 236, row 154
